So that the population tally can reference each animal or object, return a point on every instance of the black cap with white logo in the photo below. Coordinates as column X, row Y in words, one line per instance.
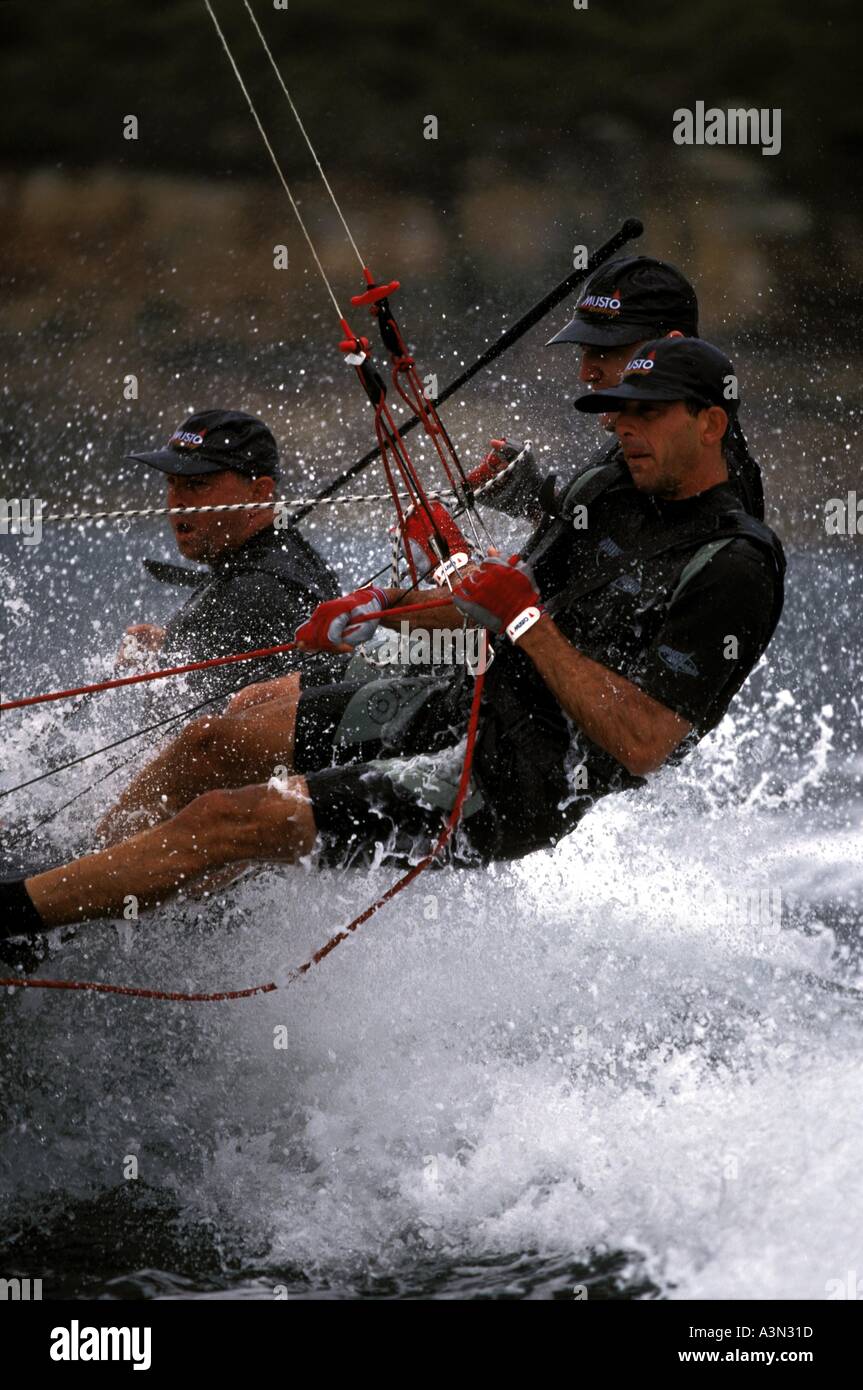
column 631, row 299
column 671, row 369
column 215, row 440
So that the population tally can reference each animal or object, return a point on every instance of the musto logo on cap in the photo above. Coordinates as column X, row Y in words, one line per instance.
column 640, row 364
column 184, row 439
column 608, row 304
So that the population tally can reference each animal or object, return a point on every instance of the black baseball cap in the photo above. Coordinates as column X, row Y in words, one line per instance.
column 669, row 369
column 216, row 440
column 631, row 299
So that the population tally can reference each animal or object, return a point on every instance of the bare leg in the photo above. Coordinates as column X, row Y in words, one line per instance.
column 282, row 688
column 218, row 828
column 228, row 750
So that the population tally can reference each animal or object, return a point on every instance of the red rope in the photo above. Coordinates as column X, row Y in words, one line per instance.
column 133, row 992
column 319, row 955
column 146, row 676
column 191, row 665
column 390, row 440
column 445, row 835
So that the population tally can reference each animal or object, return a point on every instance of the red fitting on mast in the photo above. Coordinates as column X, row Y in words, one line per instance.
column 375, row 294
column 352, row 343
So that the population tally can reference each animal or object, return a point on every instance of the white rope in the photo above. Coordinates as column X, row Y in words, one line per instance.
column 305, row 134
column 350, row 358
column 235, row 506
column 272, row 155
column 342, row 500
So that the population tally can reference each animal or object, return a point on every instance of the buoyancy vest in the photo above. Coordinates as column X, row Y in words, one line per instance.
column 697, row 543
column 525, row 741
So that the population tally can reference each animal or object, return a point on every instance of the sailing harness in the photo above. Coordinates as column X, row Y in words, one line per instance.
column 449, row 548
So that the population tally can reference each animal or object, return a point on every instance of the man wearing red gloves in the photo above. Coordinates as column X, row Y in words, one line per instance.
column 634, row 615
column 625, row 303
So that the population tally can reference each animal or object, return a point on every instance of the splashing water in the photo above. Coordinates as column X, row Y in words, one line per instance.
column 629, row 1064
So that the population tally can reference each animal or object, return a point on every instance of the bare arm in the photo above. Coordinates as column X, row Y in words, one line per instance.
column 442, row 612
column 633, row 727
column 138, row 639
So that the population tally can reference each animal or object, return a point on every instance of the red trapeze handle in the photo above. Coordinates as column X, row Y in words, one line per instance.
column 375, row 293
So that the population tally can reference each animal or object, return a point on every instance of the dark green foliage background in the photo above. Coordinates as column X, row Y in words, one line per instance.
column 487, row 68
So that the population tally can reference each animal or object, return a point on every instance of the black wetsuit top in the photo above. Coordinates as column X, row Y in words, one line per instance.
column 255, row 596
column 691, row 650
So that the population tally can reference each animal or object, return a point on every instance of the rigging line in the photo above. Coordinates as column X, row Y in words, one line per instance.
column 137, row 733
column 632, row 227
column 121, row 682
column 406, row 609
column 137, row 512
column 445, row 835
column 345, row 326
column 305, row 134
column 427, row 413
column 395, row 442
column 345, row 499
column 91, row 786
column 122, row 762
column 272, row 154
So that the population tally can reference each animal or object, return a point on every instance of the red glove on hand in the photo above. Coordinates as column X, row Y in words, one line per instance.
column 418, row 533
column 326, row 629
column 502, row 454
column 500, row 595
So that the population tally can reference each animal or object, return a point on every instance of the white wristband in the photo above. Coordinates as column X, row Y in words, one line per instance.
column 451, row 566
column 525, row 620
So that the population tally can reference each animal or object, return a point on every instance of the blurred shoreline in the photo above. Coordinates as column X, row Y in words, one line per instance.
column 109, row 273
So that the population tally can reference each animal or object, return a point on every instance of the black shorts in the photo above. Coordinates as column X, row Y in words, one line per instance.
column 383, row 759
column 355, row 721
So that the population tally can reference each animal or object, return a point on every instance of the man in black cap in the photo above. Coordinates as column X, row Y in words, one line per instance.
column 623, row 305
column 621, row 635
column 260, row 581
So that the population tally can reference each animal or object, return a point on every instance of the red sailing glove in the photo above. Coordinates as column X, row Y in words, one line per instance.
column 501, row 455
column 325, row 629
column 513, row 490
column 500, row 595
column 418, row 534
